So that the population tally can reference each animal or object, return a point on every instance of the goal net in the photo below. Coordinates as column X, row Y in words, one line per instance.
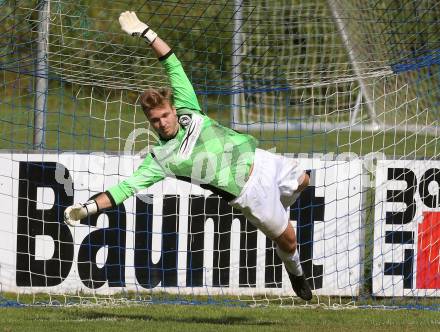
column 350, row 88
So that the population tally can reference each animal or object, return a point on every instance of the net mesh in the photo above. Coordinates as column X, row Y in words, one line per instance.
column 351, row 87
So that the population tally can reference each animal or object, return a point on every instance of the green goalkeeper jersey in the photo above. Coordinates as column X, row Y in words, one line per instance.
column 202, row 152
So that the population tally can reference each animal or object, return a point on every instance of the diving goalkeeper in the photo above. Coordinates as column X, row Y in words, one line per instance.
column 261, row 184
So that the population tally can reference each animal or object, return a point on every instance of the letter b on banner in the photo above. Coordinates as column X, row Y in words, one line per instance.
column 33, row 222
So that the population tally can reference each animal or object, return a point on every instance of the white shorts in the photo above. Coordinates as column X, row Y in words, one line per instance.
column 269, row 191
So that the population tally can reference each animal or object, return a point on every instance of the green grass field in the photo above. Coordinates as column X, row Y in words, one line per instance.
column 213, row 318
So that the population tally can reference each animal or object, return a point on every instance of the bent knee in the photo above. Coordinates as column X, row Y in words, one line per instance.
column 291, row 247
column 287, row 240
column 305, row 182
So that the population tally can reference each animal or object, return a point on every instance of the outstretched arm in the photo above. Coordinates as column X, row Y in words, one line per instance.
column 160, row 47
column 133, row 26
column 183, row 91
column 148, row 173
column 74, row 213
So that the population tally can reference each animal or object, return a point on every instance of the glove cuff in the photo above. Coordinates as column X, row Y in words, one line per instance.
column 91, row 207
column 149, row 35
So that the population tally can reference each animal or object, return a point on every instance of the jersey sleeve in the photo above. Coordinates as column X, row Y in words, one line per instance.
column 147, row 174
column 183, row 91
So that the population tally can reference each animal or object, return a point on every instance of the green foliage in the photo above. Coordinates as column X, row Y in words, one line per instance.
column 295, row 66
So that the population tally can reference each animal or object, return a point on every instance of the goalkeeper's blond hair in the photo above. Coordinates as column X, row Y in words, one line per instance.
column 152, row 98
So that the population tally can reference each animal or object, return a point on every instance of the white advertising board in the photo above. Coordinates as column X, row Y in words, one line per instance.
column 173, row 237
column 407, row 228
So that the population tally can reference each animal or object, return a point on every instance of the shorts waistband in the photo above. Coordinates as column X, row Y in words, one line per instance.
column 255, row 169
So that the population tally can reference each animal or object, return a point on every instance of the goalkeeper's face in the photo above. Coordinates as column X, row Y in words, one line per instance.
column 164, row 121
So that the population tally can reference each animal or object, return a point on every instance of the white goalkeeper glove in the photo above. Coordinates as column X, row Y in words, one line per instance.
column 74, row 213
column 133, row 26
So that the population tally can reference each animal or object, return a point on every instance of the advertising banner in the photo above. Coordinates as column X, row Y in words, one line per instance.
column 172, row 237
column 407, row 228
